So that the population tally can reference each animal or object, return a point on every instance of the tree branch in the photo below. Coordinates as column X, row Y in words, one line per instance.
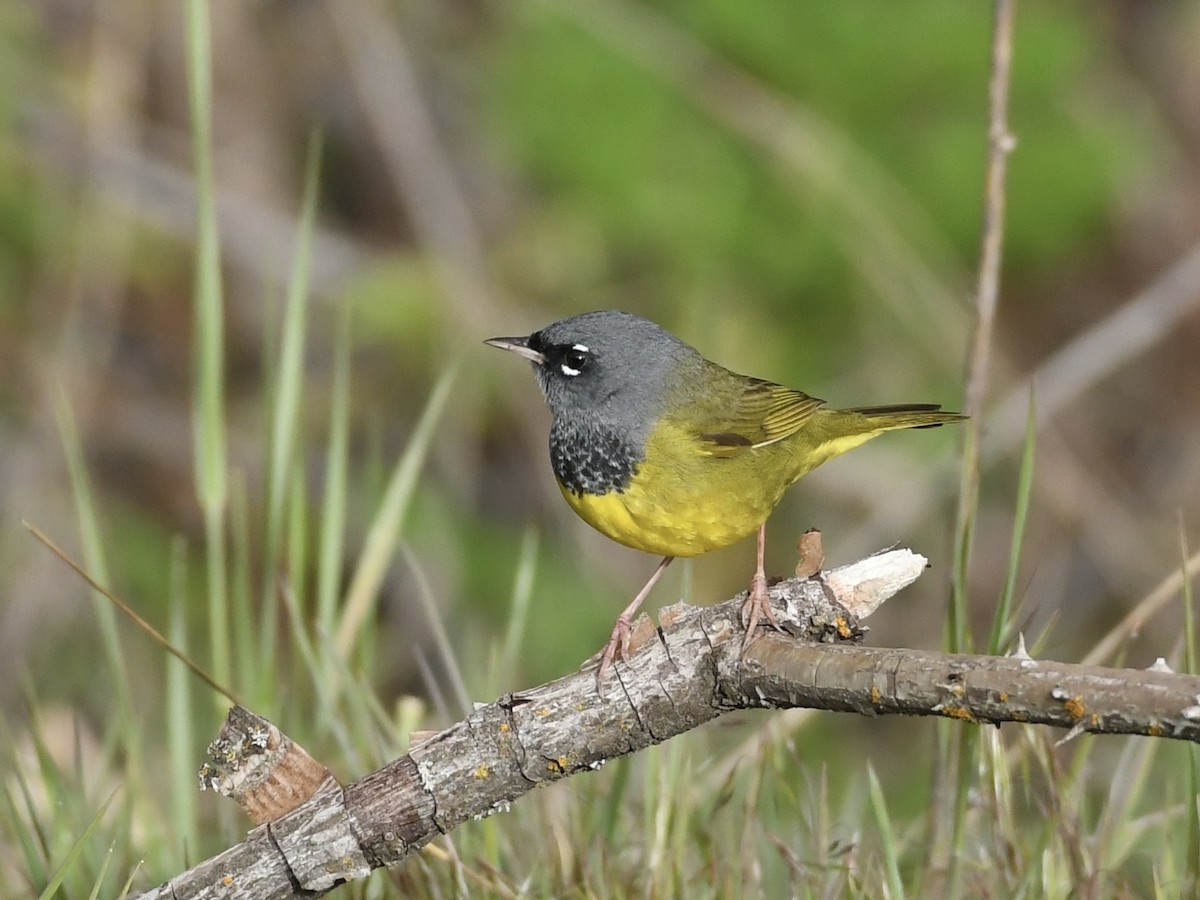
column 679, row 674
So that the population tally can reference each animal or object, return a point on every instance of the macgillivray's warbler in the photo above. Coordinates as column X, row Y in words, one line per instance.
column 667, row 452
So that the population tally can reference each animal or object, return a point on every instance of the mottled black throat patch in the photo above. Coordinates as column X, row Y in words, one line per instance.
column 592, row 460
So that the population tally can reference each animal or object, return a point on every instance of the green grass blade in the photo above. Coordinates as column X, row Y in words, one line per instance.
column 25, row 825
column 128, row 885
column 384, row 532
column 1192, row 875
column 290, row 383
column 617, row 799
column 240, row 593
column 1114, row 840
column 289, row 386
column 964, row 746
column 208, row 389
column 77, row 848
column 94, row 558
column 1190, row 657
column 957, row 638
column 99, row 881
column 81, row 490
column 1001, row 623
column 321, row 674
column 333, row 509
column 209, row 380
column 297, row 539
column 437, row 628
column 181, row 735
column 522, row 594
column 887, row 835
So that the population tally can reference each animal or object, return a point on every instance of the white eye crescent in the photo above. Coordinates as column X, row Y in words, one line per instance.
column 574, row 360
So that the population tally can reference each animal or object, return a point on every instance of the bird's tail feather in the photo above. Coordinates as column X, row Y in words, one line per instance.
column 909, row 415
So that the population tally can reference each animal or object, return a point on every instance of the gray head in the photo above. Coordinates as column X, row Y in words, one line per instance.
column 605, row 366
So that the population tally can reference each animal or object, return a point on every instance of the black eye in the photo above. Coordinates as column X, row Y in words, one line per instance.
column 573, row 360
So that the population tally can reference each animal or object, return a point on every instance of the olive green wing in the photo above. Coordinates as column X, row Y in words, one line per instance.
column 753, row 414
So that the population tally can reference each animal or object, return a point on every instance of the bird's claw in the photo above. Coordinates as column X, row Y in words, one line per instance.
column 616, row 648
column 757, row 607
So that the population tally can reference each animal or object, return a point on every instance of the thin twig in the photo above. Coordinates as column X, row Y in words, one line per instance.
column 948, row 794
column 1000, row 145
column 155, row 635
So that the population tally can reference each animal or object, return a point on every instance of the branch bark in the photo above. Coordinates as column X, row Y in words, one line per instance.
column 680, row 673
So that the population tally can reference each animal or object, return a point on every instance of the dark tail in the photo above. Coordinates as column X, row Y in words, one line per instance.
column 910, row 415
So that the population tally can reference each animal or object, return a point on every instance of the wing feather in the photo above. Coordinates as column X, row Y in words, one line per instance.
column 759, row 414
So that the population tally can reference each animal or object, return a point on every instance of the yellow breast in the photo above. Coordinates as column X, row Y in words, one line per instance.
column 682, row 502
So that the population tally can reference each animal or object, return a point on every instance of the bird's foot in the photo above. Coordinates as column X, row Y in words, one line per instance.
column 616, row 648
column 757, row 607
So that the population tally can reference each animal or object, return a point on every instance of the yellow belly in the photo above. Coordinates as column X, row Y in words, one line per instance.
column 634, row 520
column 686, row 504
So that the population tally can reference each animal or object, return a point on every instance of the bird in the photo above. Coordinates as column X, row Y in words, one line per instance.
column 670, row 453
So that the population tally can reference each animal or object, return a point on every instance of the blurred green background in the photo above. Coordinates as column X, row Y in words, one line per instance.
column 794, row 188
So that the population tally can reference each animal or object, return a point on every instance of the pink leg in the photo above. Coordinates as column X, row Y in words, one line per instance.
column 618, row 643
column 758, row 603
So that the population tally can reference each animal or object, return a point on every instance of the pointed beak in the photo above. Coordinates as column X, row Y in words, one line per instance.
column 519, row 346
